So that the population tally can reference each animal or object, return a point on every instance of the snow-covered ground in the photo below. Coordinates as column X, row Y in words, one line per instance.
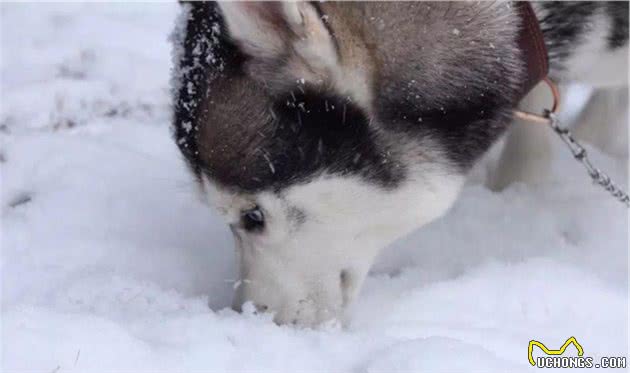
column 109, row 261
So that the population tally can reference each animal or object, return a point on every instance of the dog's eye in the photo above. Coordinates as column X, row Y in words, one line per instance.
column 253, row 219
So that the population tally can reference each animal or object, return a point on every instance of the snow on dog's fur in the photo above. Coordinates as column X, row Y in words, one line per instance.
column 324, row 131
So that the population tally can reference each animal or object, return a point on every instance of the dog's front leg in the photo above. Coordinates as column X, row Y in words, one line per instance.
column 604, row 121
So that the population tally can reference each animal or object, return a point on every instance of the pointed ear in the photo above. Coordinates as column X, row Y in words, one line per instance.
column 269, row 29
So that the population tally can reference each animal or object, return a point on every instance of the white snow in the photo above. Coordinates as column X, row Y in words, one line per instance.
column 110, row 261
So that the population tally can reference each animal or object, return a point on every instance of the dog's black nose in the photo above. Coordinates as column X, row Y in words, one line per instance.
column 261, row 307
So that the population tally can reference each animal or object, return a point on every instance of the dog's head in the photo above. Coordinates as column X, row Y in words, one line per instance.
column 324, row 132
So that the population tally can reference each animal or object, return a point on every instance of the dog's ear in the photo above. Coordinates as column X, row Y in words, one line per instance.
column 271, row 29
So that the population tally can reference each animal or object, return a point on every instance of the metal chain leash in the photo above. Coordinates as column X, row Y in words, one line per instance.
column 580, row 154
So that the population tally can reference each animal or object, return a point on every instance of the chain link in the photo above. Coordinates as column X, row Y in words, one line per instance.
column 579, row 153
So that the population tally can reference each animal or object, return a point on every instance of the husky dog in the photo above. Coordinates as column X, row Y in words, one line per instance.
column 324, row 131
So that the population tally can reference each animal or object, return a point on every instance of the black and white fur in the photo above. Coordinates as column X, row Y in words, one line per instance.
column 324, row 131
column 587, row 44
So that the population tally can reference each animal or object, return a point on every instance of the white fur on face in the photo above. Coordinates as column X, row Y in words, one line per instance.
column 321, row 238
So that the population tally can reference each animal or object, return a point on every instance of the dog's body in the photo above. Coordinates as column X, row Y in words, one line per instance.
column 325, row 131
column 587, row 43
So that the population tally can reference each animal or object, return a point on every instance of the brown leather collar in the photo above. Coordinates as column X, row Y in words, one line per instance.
column 532, row 46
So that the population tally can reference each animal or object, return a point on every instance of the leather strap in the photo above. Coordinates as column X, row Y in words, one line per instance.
column 532, row 46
